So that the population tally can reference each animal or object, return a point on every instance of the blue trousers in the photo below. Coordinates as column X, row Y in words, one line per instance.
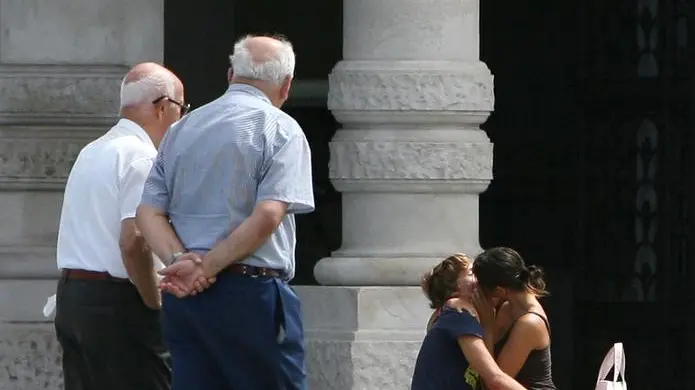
column 243, row 333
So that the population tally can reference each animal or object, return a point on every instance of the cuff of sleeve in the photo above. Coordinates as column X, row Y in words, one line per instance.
column 158, row 204
column 468, row 334
column 294, row 205
column 127, row 216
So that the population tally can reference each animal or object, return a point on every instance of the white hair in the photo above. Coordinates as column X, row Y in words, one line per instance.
column 275, row 69
column 146, row 89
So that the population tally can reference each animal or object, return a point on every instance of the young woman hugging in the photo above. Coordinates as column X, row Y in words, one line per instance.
column 453, row 354
column 519, row 328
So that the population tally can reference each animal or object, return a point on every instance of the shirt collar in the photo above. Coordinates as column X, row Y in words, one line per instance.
column 133, row 128
column 248, row 89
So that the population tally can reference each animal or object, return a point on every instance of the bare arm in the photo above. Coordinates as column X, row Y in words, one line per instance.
column 528, row 333
column 156, row 229
column 137, row 260
column 487, row 315
column 247, row 238
column 481, row 360
column 153, row 212
column 135, row 254
column 489, row 338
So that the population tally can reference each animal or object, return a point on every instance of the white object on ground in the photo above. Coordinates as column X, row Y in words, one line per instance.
column 614, row 361
column 50, row 306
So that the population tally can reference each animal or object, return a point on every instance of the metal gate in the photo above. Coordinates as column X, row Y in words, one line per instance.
column 638, row 178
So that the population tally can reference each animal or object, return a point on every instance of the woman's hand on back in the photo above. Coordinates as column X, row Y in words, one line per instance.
column 483, row 305
column 486, row 311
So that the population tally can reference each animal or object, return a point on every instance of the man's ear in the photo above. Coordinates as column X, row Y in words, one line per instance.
column 285, row 88
column 230, row 74
column 160, row 108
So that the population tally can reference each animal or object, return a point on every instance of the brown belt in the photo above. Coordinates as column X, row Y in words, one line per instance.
column 243, row 269
column 82, row 274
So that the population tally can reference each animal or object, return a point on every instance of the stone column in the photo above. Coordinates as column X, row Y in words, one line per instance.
column 410, row 161
column 61, row 64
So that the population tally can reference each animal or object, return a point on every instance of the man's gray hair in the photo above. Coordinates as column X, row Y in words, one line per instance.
column 146, row 89
column 275, row 69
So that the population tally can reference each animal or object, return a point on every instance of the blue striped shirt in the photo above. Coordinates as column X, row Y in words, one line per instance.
column 219, row 161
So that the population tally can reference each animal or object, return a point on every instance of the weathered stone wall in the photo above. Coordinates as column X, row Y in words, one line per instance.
column 61, row 62
column 29, row 357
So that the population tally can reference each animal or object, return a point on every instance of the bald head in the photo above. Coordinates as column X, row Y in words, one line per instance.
column 144, row 69
column 263, row 49
column 264, row 59
column 152, row 97
column 146, row 82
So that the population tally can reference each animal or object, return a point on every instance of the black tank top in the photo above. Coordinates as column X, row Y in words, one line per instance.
column 536, row 373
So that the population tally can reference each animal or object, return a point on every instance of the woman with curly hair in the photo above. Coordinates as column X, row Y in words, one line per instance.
column 453, row 354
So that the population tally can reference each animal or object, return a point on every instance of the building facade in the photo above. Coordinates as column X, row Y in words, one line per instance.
column 593, row 163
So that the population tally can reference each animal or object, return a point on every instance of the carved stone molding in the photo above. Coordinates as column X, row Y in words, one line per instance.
column 410, row 86
column 37, row 164
column 31, row 356
column 60, row 90
column 394, row 160
column 34, row 261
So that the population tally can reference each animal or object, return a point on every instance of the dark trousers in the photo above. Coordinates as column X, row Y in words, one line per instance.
column 110, row 339
column 243, row 333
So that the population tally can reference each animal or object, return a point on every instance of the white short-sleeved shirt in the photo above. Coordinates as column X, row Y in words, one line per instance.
column 104, row 188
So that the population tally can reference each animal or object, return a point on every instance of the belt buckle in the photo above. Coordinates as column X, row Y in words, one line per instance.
column 246, row 270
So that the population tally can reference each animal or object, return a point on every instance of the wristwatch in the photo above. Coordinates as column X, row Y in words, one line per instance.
column 174, row 257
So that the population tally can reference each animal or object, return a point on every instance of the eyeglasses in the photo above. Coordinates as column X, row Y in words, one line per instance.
column 184, row 107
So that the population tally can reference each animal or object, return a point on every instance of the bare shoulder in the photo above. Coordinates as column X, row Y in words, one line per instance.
column 532, row 320
column 532, row 327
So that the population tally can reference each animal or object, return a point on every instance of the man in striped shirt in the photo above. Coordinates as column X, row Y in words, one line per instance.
column 224, row 189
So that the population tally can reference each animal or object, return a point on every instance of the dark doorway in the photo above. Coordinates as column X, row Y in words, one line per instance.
column 532, row 203
column 635, row 283
column 594, row 170
column 197, row 44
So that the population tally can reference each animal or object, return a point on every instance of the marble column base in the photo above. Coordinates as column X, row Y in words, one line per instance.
column 29, row 357
column 364, row 338
column 29, row 351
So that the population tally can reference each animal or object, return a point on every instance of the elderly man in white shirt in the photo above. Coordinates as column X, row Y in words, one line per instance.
column 108, row 301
